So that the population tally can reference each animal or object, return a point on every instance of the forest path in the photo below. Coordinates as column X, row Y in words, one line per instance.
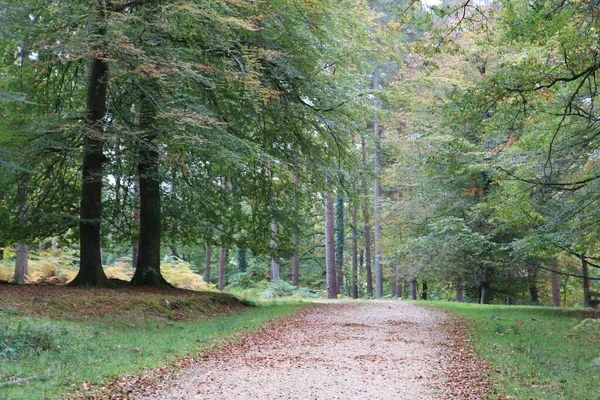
column 352, row 350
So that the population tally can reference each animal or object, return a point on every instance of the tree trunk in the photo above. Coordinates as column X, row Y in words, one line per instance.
column 222, row 260
column 330, row 248
column 241, row 257
column 511, row 301
column 424, row 294
column 354, row 256
column 21, row 264
column 91, row 272
column 377, row 134
column 555, row 285
column 136, row 222
column 42, row 245
column 413, row 289
column 275, row 267
column 533, row 290
column 485, row 293
column 147, row 270
column 207, row 263
column 339, row 238
column 295, row 242
column 367, row 218
column 459, row 290
column 586, row 282
column 174, row 251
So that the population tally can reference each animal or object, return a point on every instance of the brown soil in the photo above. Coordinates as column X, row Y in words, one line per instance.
column 75, row 303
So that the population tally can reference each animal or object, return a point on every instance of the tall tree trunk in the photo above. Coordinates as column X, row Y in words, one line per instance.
column 424, row 294
column 555, row 284
column 91, row 272
column 242, row 262
column 354, row 255
column 275, row 267
column 21, row 264
column 147, row 270
column 136, row 223
column 330, row 248
column 207, row 263
column 339, row 237
column 511, row 301
column 377, row 134
column 586, row 282
column 413, row 289
column 22, row 258
column 533, row 290
column 485, row 293
column 459, row 290
column 222, row 261
column 367, row 218
column 295, row 242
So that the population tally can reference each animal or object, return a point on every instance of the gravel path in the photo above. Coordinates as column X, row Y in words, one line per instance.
column 365, row 350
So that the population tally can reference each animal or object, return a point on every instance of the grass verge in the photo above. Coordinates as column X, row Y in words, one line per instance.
column 43, row 357
column 535, row 352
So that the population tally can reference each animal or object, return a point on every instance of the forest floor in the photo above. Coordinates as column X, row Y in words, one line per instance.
column 343, row 350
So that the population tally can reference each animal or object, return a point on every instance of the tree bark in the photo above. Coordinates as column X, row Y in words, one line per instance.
column 354, row 255
column 174, row 251
column 222, row 260
column 207, row 263
column 147, row 271
column 275, row 267
column 330, row 248
column 413, row 289
column 511, row 301
column 21, row 264
column 459, row 290
column 91, row 272
column 242, row 262
column 295, row 242
column 586, row 282
column 339, row 238
column 533, row 290
column 424, row 294
column 367, row 218
column 485, row 293
column 377, row 134
column 136, row 222
column 555, row 284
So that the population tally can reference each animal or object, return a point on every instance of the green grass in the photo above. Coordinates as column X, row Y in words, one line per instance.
column 535, row 352
column 60, row 355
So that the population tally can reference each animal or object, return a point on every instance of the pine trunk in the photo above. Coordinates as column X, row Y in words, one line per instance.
column 485, row 293
column 354, row 256
column 241, row 257
column 555, row 284
column 367, row 218
column 275, row 267
column 339, row 239
column 330, row 248
column 377, row 134
column 91, row 272
column 295, row 242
